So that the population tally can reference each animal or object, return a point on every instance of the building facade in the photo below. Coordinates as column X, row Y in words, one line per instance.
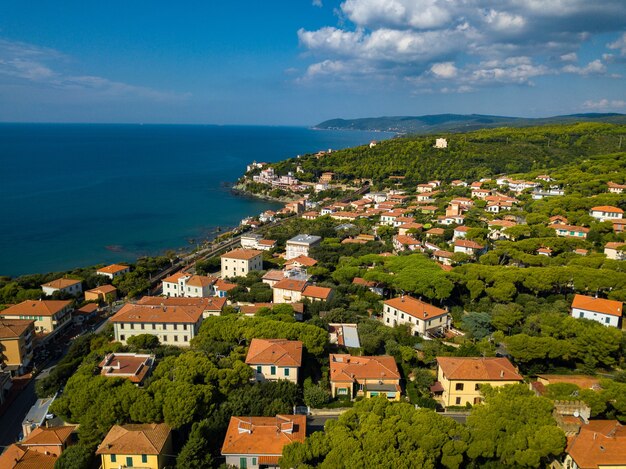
column 423, row 318
column 239, row 262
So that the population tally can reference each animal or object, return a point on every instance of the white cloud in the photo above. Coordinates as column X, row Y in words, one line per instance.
column 620, row 44
column 410, row 39
column 605, row 104
column 42, row 66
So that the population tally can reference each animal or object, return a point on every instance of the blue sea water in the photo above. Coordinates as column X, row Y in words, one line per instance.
column 78, row 195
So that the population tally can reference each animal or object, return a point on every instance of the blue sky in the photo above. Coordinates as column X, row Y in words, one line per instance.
column 298, row 62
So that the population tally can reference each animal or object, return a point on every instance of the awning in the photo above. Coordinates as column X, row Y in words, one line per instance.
column 437, row 387
column 269, row 460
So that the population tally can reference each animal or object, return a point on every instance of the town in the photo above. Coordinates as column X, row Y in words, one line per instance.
column 377, row 318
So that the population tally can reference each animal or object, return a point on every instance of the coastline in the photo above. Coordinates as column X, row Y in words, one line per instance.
column 240, row 191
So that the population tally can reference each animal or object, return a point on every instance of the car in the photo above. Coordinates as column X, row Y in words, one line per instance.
column 49, row 416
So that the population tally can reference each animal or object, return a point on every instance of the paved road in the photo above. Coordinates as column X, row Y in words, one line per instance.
column 11, row 420
column 315, row 423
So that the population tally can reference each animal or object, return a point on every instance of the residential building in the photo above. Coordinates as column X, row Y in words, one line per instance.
column 444, row 257
column 547, row 252
column 50, row 316
column 569, row 231
column 266, row 244
column 209, row 306
column 405, row 242
column 274, row 359
column 615, row 188
column 173, row 325
column 133, row 366
column 471, row 248
column 21, row 457
column 600, row 444
column 315, row 293
column 222, row 287
column 615, row 251
column 460, row 232
column 183, row 284
column 372, row 286
column 102, row 294
column 300, row 262
column 606, row 312
column 406, row 227
column 273, row 276
column 480, row 193
column 239, row 262
column 435, row 232
column 619, row 226
column 344, row 335
column 63, row 285
column 459, row 378
column 113, row 270
column 288, row 290
column 50, row 440
column 558, row 220
column 146, row 445
column 85, row 313
column 441, row 143
column 16, row 344
column 301, row 245
column 258, row 442
column 423, row 318
column 606, row 213
column 373, row 376
column 250, row 240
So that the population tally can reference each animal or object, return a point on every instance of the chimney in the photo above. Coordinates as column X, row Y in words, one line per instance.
column 501, row 373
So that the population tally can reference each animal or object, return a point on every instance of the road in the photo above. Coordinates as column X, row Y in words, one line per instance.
column 11, row 420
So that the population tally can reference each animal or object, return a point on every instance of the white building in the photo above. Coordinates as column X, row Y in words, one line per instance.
column 239, row 262
column 64, row 285
column 422, row 317
column 250, row 240
column 441, row 143
column 467, row 247
column 606, row 213
column 301, row 245
column 183, row 284
column 613, row 251
column 113, row 270
column 606, row 312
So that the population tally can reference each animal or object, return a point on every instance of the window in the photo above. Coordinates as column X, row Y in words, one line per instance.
column 254, row 461
column 132, row 326
column 164, row 338
column 273, row 370
column 154, row 327
column 185, row 337
column 607, row 320
column 122, row 337
column 129, row 461
column 175, row 338
column 459, row 386
column 175, row 326
column 113, row 458
column 184, row 327
column 121, row 324
column 477, row 387
column 143, row 326
column 144, row 458
column 259, row 369
column 581, row 315
column 342, row 391
column 458, row 401
column 243, row 463
column 286, row 371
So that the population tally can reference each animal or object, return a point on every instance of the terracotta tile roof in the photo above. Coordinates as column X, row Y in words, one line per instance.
column 158, row 314
column 223, row 285
column 444, row 254
column 36, row 308
column 435, row 231
column 200, row 281
column 280, row 352
column 87, row 309
column 245, row 254
column 348, row 368
column 274, row 274
column 600, row 443
column 616, row 185
column 606, row 208
column 146, row 438
column 411, row 225
column 559, row 218
column 406, row 240
column 174, row 278
column 363, row 282
column 502, row 223
column 483, row 369
column 207, row 304
column 254, row 308
column 133, row 366
column 416, row 308
column 21, row 457
column 303, row 260
column 598, row 305
column 263, row 436
column 313, row 291
column 614, row 245
column 267, row 242
column 429, row 208
column 466, row 243
column 103, row 289
column 291, row 285
column 61, row 283
column 14, row 328
column 112, row 269
column 49, row 436
column 462, row 229
column 582, row 381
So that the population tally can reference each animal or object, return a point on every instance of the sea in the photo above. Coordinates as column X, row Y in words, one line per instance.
column 75, row 195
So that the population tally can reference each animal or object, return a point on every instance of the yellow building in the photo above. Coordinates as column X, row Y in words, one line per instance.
column 16, row 344
column 49, row 315
column 147, row 445
column 459, row 378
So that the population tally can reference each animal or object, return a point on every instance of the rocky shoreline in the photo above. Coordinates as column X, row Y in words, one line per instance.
column 240, row 190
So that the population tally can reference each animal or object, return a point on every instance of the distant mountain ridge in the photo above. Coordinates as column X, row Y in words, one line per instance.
column 459, row 122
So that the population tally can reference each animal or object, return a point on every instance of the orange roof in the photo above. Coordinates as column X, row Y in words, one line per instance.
column 616, row 185
column 200, row 281
column 14, row 328
column 347, row 368
column 363, row 282
column 466, row 243
column 281, row 352
column 158, row 314
column 416, row 308
column 411, row 225
column 146, row 438
column 481, row 368
column 600, row 443
column 207, row 304
column 606, row 208
column 502, row 223
column 133, row 366
column 22, row 457
column 582, row 381
column 614, row 245
column 36, row 308
column 174, row 278
column 435, row 231
column 103, row 289
column 598, row 305
column 303, row 260
column 406, row 240
column 61, row 283
column 223, row 285
column 87, row 309
column 263, row 436
column 112, row 269
column 274, row 275
column 245, row 254
column 322, row 293
column 444, row 254
column 267, row 242
column 49, row 436
column 291, row 285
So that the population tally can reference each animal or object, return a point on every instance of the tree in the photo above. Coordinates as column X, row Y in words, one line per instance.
column 514, row 428
column 196, row 454
column 76, row 456
column 314, row 394
column 477, row 324
column 143, row 341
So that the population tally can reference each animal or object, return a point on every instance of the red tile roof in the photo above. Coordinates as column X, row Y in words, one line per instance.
column 103, row 289
column 145, row 313
column 244, row 254
column 291, row 285
column 263, row 436
column 348, row 368
column 606, row 208
column 53, row 436
column 22, row 457
column 303, row 260
column 280, row 352
column 112, row 269
column 36, row 308
column 466, row 243
column 61, row 283
column 207, row 304
column 146, row 438
column 598, row 305
column 14, row 328
column 313, row 291
column 416, row 308
column 600, row 443
column 483, row 369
